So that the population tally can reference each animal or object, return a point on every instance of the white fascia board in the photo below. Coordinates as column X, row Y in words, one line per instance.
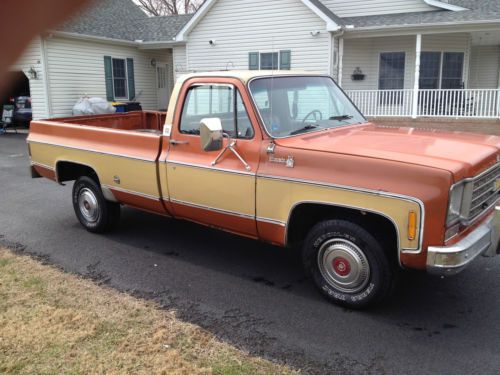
column 182, row 34
column 330, row 24
column 443, row 5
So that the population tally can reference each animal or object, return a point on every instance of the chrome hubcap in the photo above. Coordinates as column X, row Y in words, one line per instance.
column 343, row 265
column 87, row 202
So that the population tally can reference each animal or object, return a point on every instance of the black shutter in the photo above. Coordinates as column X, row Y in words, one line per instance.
column 130, row 79
column 285, row 60
column 108, row 76
column 253, row 61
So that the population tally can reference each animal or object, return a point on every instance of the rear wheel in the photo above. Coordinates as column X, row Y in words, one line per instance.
column 93, row 211
column 348, row 264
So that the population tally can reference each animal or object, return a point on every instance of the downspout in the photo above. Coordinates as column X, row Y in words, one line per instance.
column 46, row 80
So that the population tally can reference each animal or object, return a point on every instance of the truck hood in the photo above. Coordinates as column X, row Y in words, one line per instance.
column 463, row 154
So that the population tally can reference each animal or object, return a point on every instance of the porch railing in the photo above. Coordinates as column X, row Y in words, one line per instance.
column 466, row 103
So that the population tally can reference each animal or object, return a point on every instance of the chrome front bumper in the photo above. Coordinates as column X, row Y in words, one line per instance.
column 450, row 260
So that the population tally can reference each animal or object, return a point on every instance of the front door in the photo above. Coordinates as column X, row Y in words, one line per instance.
column 162, row 86
column 220, row 194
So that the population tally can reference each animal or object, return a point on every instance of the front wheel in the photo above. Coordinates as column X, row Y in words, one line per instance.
column 347, row 264
column 93, row 211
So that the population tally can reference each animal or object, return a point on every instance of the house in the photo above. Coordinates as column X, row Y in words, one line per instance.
column 408, row 58
column 393, row 57
column 113, row 50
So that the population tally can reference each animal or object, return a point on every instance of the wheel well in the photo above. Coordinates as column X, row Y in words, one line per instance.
column 69, row 171
column 306, row 215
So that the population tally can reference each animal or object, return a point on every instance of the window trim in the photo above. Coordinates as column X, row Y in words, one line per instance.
column 126, row 97
column 230, row 85
column 270, row 52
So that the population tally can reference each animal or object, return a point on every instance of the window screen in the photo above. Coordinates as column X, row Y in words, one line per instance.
column 119, row 78
column 391, row 71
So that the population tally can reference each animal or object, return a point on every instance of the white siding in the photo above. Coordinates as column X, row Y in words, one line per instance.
column 365, row 54
column 484, row 68
column 354, row 8
column 32, row 58
column 76, row 68
column 244, row 26
column 180, row 62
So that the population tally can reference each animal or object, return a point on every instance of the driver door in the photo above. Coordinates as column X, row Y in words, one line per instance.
column 220, row 195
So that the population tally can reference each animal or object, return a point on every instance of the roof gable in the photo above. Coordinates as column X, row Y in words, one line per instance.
column 333, row 22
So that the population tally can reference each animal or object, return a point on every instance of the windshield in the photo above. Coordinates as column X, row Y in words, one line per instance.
column 296, row 105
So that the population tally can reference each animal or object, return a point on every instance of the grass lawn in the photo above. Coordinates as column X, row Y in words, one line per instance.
column 52, row 323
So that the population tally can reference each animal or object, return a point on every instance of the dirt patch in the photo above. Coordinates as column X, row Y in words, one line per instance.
column 52, row 322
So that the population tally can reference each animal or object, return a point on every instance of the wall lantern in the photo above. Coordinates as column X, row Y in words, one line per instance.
column 357, row 75
column 153, row 63
column 32, row 74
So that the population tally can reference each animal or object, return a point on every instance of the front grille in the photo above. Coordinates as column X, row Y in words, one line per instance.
column 484, row 192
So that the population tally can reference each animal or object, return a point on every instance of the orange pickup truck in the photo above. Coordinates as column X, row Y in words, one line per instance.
column 288, row 159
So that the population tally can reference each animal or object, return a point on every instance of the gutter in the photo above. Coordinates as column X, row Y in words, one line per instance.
column 352, row 28
column 102, row 39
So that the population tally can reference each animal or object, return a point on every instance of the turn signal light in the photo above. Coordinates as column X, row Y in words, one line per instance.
column 412, row 225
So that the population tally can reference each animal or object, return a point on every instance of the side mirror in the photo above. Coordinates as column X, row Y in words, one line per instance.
column 211, row 136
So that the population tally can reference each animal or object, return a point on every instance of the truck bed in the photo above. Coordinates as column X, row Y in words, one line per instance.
column 132, row 121
column 122, row 150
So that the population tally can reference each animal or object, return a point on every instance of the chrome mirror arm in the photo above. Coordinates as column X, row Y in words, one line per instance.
column 230, row 146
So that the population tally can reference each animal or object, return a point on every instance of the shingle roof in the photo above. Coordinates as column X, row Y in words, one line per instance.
column 124, row 20
column 164, row 28
column 477, row 10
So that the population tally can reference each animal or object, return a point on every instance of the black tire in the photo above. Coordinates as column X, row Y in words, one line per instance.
column 93, row 211
column 348, row 265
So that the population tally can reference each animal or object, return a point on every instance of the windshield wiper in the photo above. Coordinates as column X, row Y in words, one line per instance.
column 304, row 129
column 341, row 117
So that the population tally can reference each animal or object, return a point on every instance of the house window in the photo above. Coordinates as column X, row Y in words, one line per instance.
column 269, row 61
column 391, row 71
column 441, row 70
column 120, row 79
column 430, row 63
column 453, row 64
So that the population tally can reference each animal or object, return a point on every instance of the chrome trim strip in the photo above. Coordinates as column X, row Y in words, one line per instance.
column 42, row 165
column 271, row 221
column 209, row 167
column 227, row 212
column 143, row 195
column 93, row 151
column 367, row 191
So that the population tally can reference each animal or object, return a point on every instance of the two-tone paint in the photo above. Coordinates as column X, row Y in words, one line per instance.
column 382, row 171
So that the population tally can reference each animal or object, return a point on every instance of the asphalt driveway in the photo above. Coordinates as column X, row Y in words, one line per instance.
column 255, row 295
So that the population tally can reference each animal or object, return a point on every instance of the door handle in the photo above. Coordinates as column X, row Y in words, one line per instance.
column 174, row 142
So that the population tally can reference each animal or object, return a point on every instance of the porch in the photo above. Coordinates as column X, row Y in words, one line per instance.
column 449, row 75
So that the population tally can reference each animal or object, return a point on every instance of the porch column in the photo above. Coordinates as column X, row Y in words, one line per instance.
column 341, row 59
column 417, row 76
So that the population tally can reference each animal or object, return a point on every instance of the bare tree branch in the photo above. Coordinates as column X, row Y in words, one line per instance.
column 169, row 7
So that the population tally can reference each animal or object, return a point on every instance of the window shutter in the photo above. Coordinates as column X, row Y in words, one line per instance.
column 130, row 79
column 285, row 60
column 253, row 61
column 108, row 76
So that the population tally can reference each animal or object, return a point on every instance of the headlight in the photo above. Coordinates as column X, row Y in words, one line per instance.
column 455, row 204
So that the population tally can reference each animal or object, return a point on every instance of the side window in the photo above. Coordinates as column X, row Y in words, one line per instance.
column 215, row 101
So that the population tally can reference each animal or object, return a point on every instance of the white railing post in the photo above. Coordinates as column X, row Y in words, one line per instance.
column 418, row 48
